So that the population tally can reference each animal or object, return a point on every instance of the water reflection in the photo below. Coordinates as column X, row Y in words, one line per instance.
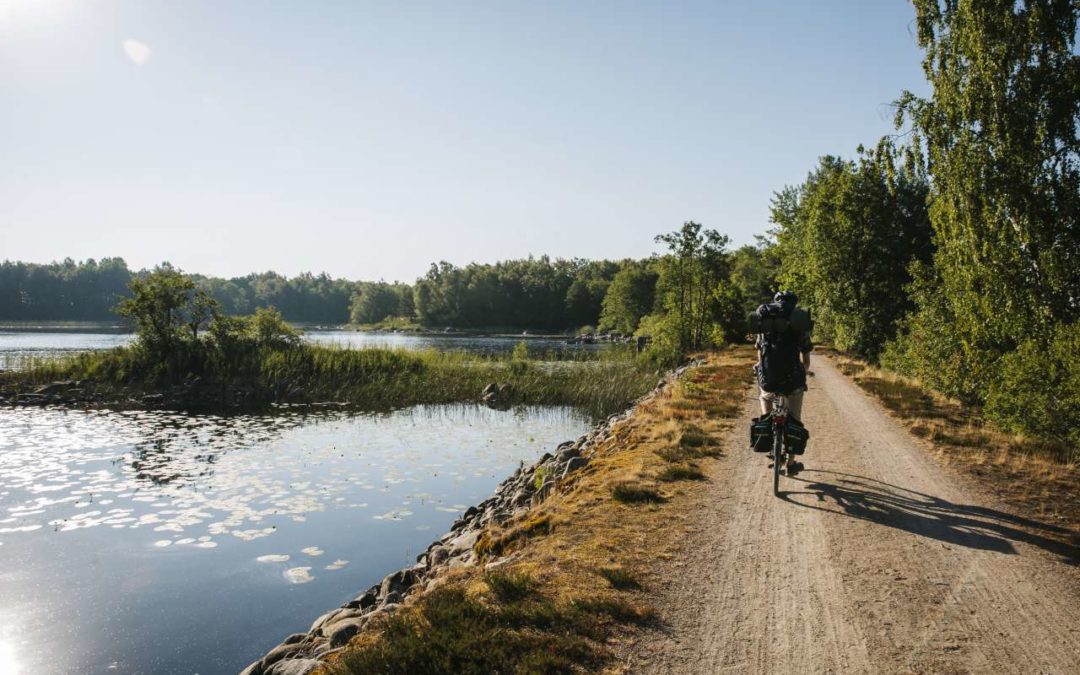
column 107, row 517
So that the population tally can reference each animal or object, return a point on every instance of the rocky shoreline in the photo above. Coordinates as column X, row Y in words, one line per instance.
column 301, row 653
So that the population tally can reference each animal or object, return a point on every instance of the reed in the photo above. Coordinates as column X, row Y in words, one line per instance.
column 376, row 378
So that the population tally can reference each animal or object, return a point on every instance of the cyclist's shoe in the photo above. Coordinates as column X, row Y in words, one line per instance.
column 793, row 468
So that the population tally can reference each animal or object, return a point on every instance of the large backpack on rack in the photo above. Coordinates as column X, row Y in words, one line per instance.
column 781, row 370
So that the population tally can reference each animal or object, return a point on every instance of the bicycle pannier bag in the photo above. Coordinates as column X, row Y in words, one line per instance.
column 795, row 436
column 761, row 436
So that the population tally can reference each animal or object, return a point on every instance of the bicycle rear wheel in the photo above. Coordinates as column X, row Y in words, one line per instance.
column 778, row 458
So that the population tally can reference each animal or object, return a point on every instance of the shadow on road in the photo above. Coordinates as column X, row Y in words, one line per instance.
column 959, row 524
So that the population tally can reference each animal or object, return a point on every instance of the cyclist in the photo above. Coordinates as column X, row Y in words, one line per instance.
column 789, row 351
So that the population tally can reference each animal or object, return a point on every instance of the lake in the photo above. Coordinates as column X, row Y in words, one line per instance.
column 18, row 345
column 161, row 542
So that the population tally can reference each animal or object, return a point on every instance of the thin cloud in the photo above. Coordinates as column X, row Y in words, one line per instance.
column 138, row 52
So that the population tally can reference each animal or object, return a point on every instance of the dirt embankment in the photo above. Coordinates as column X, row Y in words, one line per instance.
column 876, row 559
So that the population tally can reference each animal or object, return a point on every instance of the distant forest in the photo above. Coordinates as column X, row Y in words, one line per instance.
column 532, row 293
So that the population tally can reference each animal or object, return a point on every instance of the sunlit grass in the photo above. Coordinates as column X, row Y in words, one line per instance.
column 599, row 382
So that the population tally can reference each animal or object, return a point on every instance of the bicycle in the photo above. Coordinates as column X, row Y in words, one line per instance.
column 779, row 452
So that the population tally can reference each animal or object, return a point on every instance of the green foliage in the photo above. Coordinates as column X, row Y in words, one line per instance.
column 1000, row 138
column 269, row 329
column 375, row 302
column 754, row 270
column 665, row 351
column 164, row 306
column 64, row 291
column 510, row 586
column 519, row 359
column 1037, row 389
column 630, row 297
column 846, row 239
column 696, row 262
column 728, row 314
column 533, row 293
column 991, row 315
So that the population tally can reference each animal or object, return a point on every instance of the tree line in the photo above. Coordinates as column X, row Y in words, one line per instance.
column 951, row 251
column 532, row 293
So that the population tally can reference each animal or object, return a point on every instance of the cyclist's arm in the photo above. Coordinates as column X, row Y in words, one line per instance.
column 805, row 347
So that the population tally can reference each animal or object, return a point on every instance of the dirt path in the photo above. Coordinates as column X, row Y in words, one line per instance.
column 876, row 560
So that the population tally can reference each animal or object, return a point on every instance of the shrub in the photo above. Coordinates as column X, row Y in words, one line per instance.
column 509, row 586
column 635, row 493
column 680, row 472
column 1037, row 391
column 619, row 578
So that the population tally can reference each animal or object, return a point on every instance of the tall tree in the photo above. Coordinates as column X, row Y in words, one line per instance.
column 846, row 239
column 1000, row 139
column 689, row 275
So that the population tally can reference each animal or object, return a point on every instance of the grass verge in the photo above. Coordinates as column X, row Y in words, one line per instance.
column 547, row 608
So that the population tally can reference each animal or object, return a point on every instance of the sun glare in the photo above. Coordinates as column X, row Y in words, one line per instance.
column 8, row 663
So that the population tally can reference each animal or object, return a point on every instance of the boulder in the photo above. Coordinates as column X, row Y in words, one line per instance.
column 280, row 652
column 363, row 601
column 340, row 632
column 464, row 543
column 391, row 598
column 574, row 464
column 399, row 581
column 567, row 452
column 438, row 555
column 294, row 667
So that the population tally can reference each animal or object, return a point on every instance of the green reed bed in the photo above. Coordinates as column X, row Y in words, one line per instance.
column 601, row 383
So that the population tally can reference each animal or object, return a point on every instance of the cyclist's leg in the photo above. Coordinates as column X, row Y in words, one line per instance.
column 794, row 404
column 766, row 401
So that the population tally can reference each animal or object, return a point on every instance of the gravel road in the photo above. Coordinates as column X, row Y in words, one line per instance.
column 876, row 559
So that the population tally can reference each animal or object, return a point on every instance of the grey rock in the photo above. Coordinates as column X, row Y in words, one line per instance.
column 574, row 464
column 438, row 555
column 294, row 667
column 363, row 601
column 464, row 542
column 567, row 453
column 280, row 652
column 340, row 632
column 320, row 621
column 294, row 638
column 392, row 598
column 399, row 581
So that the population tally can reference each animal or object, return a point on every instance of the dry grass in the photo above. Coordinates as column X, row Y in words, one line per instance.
column 1025, row 472
column 583, row 532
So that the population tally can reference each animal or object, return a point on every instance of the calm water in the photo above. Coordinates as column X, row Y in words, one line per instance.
column 19, row 345
column 153, row 542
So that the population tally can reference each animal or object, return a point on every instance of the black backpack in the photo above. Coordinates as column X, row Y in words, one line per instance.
column 781, row 371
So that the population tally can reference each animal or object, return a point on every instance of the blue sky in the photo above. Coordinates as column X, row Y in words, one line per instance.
column 369, row 139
